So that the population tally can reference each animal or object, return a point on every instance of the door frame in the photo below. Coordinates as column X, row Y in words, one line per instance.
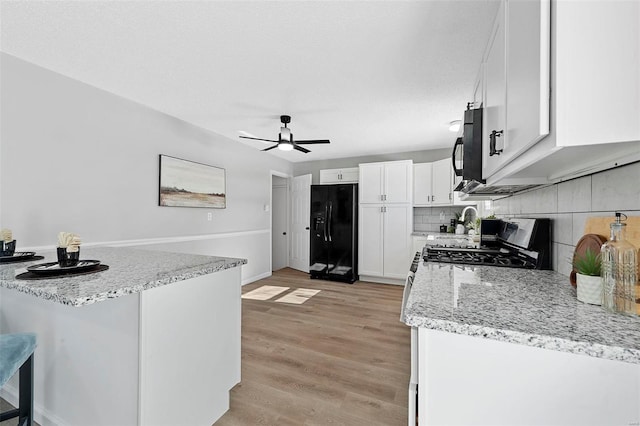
column 287, row 177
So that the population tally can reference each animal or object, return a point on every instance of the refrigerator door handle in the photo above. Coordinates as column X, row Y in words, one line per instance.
column 326, row 221
column 329, row 219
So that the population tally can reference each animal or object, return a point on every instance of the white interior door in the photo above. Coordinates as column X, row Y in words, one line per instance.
column 279, row 249
column 300, row 205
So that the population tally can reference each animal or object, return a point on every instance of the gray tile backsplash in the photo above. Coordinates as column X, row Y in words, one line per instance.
column 575, row 195
column 570, row 203
column 618, row 188
column 429, row 219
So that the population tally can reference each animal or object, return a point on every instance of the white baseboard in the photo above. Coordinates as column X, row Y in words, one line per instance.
column 42, row 416
column 381, row 280
column 256, row 278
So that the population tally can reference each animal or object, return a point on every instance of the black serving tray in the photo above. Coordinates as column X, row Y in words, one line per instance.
column 20, row 256
column 54, row 269
column 64, row 274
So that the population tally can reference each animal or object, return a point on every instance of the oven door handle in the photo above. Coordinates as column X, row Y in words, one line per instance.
column 459, row 142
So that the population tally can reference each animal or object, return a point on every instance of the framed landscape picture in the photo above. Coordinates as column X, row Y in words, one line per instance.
column 185, row 183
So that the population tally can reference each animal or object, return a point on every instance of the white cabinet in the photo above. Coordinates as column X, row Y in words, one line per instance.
column 388, row 182
column 441, row 182
column 494, row 112
column 422, row 184
column 348, row 175
column 551, row 387
column 516, row 82
column 370, row 240
column 384, row 240
column 385, row 220
column 433, row 184
column 593, row 85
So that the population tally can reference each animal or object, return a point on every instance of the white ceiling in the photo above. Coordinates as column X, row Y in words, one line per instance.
column 374, row 77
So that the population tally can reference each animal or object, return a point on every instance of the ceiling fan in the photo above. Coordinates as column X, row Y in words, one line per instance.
column 285, row 140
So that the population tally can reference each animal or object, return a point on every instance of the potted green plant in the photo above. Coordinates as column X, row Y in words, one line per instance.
column 588, row 279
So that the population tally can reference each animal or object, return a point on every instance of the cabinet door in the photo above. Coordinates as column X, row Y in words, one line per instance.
column 422, row 184
column 441, row 182
column 370, row 240
column 398, row 225
column 329, row 176
column 398, row 178
column 494, row 96
column 527, row 75
column 349, row 175
column 371, row 182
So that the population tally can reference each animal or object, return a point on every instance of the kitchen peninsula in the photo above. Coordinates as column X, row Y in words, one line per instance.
column 505, row 346
column 153, row 340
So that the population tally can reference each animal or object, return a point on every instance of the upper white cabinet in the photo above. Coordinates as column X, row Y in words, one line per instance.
column 494, row 113
column 348, row 175
column 516, row 98
column 572, row 90
column 433, row 184
column 441, row 182
column 388, row 182
column 597, row 71
column 422, row 184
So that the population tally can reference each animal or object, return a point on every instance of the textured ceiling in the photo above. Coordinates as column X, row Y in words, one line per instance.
column 374, row 77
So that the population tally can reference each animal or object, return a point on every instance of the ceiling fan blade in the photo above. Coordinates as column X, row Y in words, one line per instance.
column 257, row 139
column 307, row 142
column 299, row 148
column 271, row 147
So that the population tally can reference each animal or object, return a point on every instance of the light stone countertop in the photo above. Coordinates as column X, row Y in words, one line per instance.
column 130, row 271
column 529, row 307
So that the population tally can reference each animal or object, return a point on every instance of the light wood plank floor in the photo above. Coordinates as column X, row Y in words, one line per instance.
column 341, row 358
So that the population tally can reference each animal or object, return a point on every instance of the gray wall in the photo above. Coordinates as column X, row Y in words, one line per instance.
column 314, row 167
column 79, row 159
column 570, row 203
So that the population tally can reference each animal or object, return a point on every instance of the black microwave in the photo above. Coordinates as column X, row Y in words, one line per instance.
column 467, row 151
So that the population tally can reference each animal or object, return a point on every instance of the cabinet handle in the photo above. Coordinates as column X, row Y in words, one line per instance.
column 449, row 196
column 492, row 142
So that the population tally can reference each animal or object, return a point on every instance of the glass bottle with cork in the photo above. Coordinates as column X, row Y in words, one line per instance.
column 619, row 270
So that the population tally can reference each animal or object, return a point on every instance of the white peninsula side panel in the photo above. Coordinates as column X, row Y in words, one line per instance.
column 186, row 379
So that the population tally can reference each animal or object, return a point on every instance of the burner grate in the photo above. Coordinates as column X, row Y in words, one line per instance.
column 477, row 257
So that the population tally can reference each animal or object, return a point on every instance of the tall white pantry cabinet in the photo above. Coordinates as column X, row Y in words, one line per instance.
column 385, row 220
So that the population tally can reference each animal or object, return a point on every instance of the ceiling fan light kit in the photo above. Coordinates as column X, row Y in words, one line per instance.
column 285, row 140
column 285, row 146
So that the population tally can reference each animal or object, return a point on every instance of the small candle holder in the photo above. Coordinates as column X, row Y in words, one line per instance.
column 8, row 248
column 68, row 258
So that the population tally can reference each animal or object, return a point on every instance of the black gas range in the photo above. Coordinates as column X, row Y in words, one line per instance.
column 514, row 243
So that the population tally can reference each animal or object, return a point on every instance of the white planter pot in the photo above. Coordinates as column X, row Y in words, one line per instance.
column 589, row 289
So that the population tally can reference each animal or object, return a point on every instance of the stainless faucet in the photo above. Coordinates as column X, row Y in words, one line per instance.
column 464, row 211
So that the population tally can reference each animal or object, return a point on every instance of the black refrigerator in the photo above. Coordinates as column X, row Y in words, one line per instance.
column 334, row 232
